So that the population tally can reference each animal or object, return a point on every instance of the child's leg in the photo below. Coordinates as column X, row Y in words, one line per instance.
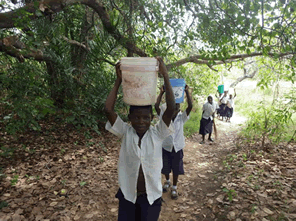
column 166, row 169
column 175, row 179
column 126, row 210
column 148, row 212
column 178, row 169
column 210, row 137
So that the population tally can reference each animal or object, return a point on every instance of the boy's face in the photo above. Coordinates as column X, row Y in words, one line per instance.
column 177, row 110
column 210, row 99
column 141, row 119
column 230, row 96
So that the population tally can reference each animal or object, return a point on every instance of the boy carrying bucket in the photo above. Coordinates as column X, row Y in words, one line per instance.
column 172, row 152
column 140, row 158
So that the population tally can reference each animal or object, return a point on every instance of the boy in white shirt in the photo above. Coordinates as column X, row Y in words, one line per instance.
column 207, row 120
column 229, row 107
column 140, row 158
column 172, row 152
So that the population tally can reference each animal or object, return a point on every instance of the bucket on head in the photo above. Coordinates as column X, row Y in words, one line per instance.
column 231, row 91
column 178, row 86
column 139, row 80
column 221, row 89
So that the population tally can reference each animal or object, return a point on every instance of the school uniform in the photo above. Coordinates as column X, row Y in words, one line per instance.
column 222, row 107
column 134, row 161
column 206, row 122
column 172, row 152
column 229, row 108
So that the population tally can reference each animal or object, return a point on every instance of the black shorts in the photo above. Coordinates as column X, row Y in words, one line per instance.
column 140, row 211
column 172, row 161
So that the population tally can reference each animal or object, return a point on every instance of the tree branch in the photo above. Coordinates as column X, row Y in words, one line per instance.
column 198, row 59
column 76, row 43
column 243, row 78
column 18, row 50
column 7, row 19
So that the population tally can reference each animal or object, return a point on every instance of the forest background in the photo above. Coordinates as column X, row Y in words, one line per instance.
column 57, row 63
column 57, row 57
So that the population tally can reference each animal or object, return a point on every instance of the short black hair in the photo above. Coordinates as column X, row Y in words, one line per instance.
column 132, row 108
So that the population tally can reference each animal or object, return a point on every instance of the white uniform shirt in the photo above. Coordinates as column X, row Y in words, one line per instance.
column 176, row 140
column 131, row 156
column 224, row 100
column 209, row 109
column 230, row 103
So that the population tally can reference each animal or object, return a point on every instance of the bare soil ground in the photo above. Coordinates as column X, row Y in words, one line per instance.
column 59, row 175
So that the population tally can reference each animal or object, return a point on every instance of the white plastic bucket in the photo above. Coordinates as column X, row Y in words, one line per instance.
column 139, row 80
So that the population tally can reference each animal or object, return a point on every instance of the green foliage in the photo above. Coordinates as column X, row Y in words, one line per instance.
column 6, row 152
column 3, row 204
column 192, row 125
column 230, row 193
column 268, row 122
column 14, row 180
column 74, row 80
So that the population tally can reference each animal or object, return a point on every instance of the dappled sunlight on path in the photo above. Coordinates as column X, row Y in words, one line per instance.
column 202, row 164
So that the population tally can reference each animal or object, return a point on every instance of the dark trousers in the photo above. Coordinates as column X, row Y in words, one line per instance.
column 140, row 211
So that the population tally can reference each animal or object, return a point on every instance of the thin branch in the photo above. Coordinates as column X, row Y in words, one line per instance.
column 76, row 43
column 18, row 50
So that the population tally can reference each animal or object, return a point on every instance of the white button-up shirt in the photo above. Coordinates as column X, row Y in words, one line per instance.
column 224, row 99
column 176, row 140
column 209, row 109
column 230, row 103
column 131, row 156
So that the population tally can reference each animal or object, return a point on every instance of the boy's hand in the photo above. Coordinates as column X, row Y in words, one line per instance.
column 162, row 90
column 187, row 88
column 118, row 71
column 162, row 68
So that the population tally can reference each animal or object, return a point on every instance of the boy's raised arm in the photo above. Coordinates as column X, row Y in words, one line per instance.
column 189, row 100
column 169, row 95
column 110, row 101
column 158, row 100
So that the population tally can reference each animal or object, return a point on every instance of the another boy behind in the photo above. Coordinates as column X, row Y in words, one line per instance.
column 140, row 158
column 172, row 151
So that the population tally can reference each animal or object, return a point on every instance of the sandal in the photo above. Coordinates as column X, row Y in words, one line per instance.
column 210, row 139
column 202, row 142
column 166, row 186
column 174, row 194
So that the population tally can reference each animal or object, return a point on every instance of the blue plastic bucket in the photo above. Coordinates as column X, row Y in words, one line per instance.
column 178, row 86
column 221, row 89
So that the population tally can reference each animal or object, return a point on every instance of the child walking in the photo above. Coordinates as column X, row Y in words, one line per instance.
column 140, row 157
column 230, row 106
column 172, row 152
column 207, row 120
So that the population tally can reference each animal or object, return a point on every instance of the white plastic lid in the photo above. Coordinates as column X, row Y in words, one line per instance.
column 139, row 61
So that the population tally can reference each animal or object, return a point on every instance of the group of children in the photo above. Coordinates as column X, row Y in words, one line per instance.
column 226, row 104
column 147, row 151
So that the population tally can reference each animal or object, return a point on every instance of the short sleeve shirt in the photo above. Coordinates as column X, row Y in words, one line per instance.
column 176, row 140
column 230, row 103
column 131, row 156
column 224, row 100
column 209, row 110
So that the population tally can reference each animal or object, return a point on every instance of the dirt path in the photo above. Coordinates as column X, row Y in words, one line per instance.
column 55, row 176
column 203, row 165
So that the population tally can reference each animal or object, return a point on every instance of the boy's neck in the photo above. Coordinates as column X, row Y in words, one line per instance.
column 141, row 135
